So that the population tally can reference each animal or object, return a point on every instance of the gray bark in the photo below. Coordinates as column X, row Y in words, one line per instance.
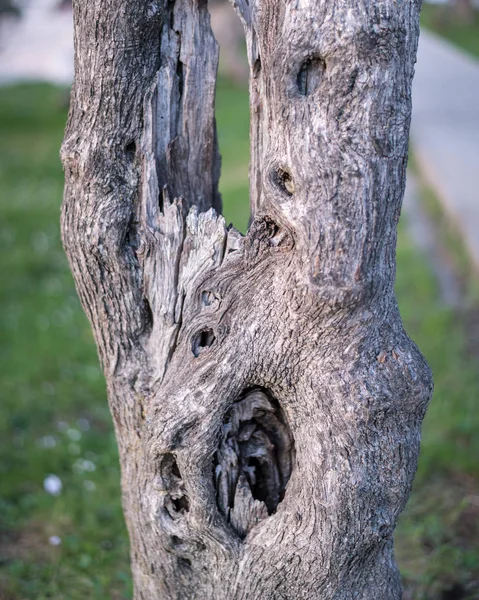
column 266, row 399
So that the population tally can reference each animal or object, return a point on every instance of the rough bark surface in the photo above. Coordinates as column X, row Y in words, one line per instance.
column 266, row 399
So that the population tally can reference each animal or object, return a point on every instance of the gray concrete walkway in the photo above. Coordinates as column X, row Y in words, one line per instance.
column 423, row 233
column 445, row 131
column 39, row 46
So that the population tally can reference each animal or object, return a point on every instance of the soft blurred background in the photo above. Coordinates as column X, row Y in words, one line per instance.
column 61, row 527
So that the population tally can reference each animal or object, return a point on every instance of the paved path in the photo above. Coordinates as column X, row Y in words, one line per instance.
column 39, row 46
column 445, row 131
column 423, row 233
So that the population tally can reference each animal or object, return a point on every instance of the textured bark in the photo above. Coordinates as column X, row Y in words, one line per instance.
column 266, row 399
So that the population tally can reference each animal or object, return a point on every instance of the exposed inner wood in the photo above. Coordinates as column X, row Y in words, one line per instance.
column 253, row 462
column 310, row 75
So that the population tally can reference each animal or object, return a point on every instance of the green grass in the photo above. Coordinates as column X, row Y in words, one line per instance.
column 53, row 402
column 444, row 21
column 436, row 540
column 54, row 417
column 453, row 244
column 232, row 117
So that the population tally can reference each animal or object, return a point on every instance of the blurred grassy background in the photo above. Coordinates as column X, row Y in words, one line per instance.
column 444, row 20
column 54, row 417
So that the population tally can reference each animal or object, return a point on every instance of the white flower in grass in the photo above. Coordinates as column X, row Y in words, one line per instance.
column 89, row 465
column 54, row 540
column 83, row 424
column 47, row 441
column 62, row 426
column 52, row 485
column 74, row 434
column 89, row 485
column 82, row 464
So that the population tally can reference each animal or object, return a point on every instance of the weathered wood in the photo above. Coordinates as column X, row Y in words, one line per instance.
column 266, row 399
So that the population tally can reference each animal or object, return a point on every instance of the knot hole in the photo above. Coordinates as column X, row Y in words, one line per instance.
column 176, row 500
column 284, row 180
column 201, row 341
column 254, row 460
column 310, row 75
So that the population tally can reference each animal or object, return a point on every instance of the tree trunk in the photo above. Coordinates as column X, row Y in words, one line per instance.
column 266, row 399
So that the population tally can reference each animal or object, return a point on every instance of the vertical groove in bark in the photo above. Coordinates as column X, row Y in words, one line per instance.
column 266, row 398
column 184, row 136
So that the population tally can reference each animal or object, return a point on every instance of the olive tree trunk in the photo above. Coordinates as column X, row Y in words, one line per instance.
column 266, row 399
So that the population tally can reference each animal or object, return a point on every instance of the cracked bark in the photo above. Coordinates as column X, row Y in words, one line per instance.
column 266, row 399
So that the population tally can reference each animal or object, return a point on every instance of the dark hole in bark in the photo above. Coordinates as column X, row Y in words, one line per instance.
column 254, row 460
column 284, row 181
column 310, row 75
column 257, row 64
column 175, row 471
column 176, row 500
column 148, row 315
column 179, row 73
column 209, row 298
column 130, row 150
column 164, row 197
column 184, row 563
column 202, row 340
column 181, row 504
column 266, row 231
column 169, row 470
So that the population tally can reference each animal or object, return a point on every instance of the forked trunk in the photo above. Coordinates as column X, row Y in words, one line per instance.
column 266, row 398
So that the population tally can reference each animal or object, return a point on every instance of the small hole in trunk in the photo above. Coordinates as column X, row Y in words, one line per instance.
column 176, row 500
column 181, row 504
column 130, row 150
column 184, row 563
column 284, row 180
column 310, row 75
column 201, row 341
